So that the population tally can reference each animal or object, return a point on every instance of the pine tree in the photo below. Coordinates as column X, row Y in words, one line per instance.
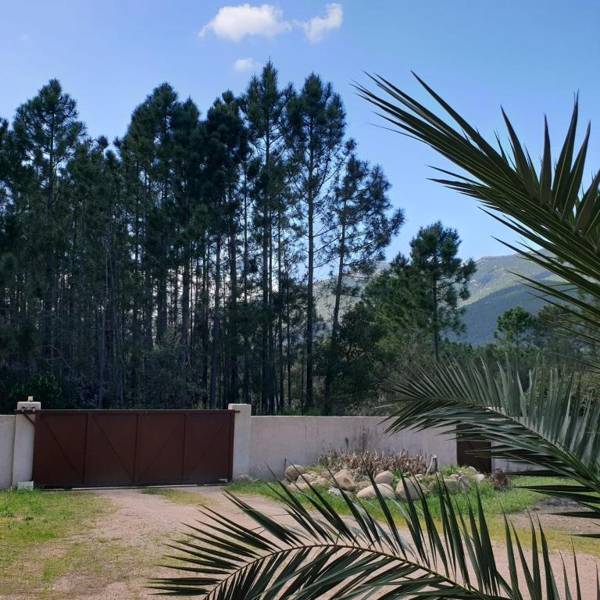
column 46, row 132
column 188, row 163
column 360, row 228
column 444, row 279
column 315, row 133
column 264, row 106
column 226, row 145
column 515, row 328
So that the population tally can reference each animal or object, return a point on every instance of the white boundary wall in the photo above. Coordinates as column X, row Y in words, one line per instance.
column 7, row 444
column 261, row 444
column 265, row 444
column 16, row 446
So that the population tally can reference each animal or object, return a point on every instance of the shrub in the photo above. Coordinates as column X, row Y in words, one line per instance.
column 371, row 461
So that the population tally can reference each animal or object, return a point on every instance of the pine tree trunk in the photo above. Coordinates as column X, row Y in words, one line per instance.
column 205, row 322
column 185, row 307
column 336, row 314
column 246, row 376
column 232, row 368
column 216, row 328
column 280, row 314
column 310, row 291
column 436, row 329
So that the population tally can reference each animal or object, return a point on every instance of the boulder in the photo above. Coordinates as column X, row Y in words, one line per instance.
column 292, row 472
column 411, row 486
column 472, row 475
column 369, row 492
column 384, row 477
column 300, row 486
column 470, row 472
column 428, row 484
column 452, row 484
column 344, row 480
column 321, row 482
column 464, row 483
column 334, row 491
column 361, row 485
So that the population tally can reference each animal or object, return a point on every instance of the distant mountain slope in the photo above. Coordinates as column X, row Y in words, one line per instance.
column 495, row 288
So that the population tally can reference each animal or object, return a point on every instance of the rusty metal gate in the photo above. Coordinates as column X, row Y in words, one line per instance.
column 80, row 448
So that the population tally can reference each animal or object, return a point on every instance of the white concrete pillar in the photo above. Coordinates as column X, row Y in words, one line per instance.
column 241, row 439
column 22, row 467
column 7, row 444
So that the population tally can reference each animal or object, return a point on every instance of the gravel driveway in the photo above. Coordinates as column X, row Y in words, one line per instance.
column 129, row 543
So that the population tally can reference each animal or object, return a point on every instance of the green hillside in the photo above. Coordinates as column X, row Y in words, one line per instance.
column 495, row 288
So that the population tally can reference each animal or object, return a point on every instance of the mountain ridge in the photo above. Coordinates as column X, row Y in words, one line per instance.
column 494, row 288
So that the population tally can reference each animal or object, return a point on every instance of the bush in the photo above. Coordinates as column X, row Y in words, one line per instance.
column 370, row 461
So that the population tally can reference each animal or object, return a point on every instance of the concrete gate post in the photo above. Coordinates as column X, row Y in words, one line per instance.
column 22, row 465
column 242, row 433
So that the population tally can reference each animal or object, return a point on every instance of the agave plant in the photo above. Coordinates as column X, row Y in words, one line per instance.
column 543, row 422
column 542, row 419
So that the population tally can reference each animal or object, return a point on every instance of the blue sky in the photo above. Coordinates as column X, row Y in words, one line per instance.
column 529, row 56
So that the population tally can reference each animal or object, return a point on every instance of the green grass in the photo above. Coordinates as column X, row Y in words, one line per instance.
column 30, row 518
column 177, row 495
column 35, row 529
column 494, row 501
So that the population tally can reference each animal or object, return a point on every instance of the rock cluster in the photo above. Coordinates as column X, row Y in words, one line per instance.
column 388, row 484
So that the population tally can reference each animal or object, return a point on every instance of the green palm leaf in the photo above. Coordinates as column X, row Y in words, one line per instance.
column 542, row 420
column 539, row 421
column 546, row 204
column 310, row 552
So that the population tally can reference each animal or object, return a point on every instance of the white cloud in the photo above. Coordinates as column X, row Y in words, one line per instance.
column 245, row 65
column 316, row 28
column 234, row 23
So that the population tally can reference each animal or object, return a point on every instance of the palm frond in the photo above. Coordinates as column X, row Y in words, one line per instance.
column 546, row 204
column 543, row 420
column 539, row 421
column 312, row 551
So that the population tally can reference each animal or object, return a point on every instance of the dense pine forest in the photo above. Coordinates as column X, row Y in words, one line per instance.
column 182, row 265
column 177, row 266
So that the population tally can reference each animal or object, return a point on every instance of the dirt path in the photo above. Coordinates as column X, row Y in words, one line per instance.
column 128, row 543
column 140, row 526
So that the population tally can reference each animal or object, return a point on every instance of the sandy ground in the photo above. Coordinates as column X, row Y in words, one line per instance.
column 145, row 523
column 139, row 526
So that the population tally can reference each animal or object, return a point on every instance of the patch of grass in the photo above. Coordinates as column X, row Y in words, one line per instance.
column 178, row 495
column 254, row 488
column 33, row 526
column 28, row 518
column 90, row 564
column 495, row 503
column 563, row 539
